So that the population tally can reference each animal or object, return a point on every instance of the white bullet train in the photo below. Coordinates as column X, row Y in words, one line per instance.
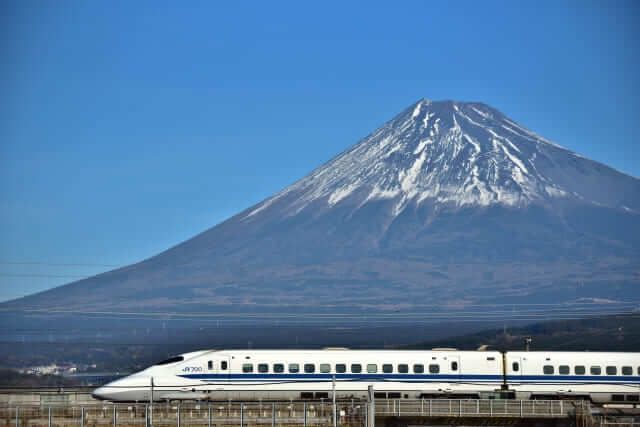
column 397, row 374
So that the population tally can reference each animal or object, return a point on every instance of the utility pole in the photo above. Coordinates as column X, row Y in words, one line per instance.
column 333, row 398
column 527, row 343
column 371, row 417
column 151, row 405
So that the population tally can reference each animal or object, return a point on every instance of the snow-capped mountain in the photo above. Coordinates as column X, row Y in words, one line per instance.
column 456, row 154
column 449, row 202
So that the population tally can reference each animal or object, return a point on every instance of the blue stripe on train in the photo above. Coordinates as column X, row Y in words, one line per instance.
column 328, row 377
column 422, row 377
column 576, row 378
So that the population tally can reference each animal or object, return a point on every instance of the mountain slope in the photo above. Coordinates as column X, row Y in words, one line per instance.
column 447, row 204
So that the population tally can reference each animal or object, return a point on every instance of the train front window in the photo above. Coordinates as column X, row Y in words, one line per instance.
column 341, row 368
column 387, row 368
column 325, row 368
column 564, row 370
column 174, row 359
column 372, row 368
column 294, row 368
column 612, row 370
column 548, row 369
column 596, row 370
column 579, row 370
column 309, row 368
column 403, row 368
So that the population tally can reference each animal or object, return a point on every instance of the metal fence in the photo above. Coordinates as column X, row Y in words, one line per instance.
column 264, row 414
column 481, row 408
column 307, row 414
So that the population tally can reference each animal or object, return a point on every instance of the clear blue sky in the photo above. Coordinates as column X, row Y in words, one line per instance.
column 127, row 127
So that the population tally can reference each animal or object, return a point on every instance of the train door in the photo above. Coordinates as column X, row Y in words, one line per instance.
column 455, row 368
column 224, row 368
column 513, row 371
column 514, row 367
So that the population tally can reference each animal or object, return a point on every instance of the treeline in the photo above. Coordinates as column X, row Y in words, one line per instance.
column 611, row 333
column 11, row 378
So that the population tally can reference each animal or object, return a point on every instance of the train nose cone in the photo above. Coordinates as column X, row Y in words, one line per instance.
column 129, row 389
column 101, row 393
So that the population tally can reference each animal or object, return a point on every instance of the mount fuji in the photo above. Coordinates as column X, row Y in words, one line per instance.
column 449, row 204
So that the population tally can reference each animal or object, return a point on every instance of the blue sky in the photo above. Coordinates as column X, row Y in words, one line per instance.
column 127, row 127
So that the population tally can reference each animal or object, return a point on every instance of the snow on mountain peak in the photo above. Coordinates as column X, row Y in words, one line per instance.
column 443, row 152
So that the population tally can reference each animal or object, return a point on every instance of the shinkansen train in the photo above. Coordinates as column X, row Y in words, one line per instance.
column 397, row 374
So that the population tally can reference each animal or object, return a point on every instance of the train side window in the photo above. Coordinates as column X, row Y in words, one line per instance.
column 564, row 370
column 579, row 370
column 309, row 368
column 515, row 366
column 223, row 365
column 548, row 369
column 294, row 368
column 404, row 368
column 372, row 368
column 611, row 370
column 418, row 368
column 210, row 365
column 387, row 368
column 341, row 368
column 454, row 366
column 263, row 368
column 278, row 368
column 434, row 369
column 356, row 368
column 247, row 368
column 627, row 370
column 596, row 370
column 325, row 368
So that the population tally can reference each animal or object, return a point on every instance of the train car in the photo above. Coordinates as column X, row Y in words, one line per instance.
column 398, row 374
column 599, row 377
column 306, row 374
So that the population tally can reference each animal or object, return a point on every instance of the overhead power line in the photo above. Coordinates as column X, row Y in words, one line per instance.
column 46, row 276
column 56, row 264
